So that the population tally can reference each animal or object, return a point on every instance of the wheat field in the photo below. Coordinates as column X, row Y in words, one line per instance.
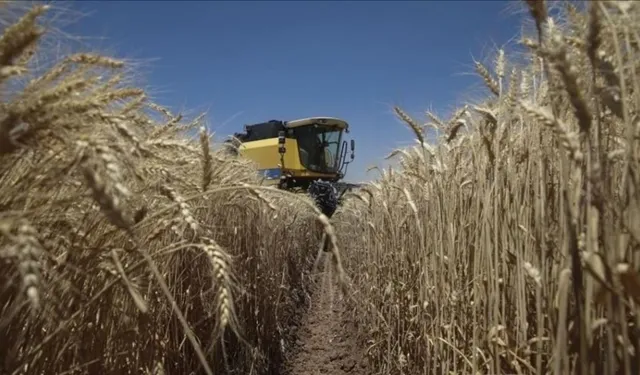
column 509, row 245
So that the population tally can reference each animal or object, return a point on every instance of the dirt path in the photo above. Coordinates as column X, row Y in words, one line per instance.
column 326, row 339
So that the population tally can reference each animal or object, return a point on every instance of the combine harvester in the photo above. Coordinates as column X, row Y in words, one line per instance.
column 306, row 155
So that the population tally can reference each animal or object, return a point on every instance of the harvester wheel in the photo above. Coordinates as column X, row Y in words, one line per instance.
column 325, row 195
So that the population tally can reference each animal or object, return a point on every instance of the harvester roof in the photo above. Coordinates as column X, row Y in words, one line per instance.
column 270, row 129
column 330, row 121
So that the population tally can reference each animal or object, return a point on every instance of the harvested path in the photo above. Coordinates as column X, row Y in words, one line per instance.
column 326, row 341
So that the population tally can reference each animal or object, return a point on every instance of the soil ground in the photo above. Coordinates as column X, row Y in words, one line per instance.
column 327, row 340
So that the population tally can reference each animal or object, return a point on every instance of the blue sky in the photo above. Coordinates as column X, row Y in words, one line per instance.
column 246, row 62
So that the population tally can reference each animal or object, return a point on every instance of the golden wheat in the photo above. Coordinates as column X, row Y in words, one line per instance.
column 114, row 225
column 520, row 258
column 511, row 247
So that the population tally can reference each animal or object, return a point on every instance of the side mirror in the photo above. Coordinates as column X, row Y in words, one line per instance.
column 281, row 140
column 353, row 149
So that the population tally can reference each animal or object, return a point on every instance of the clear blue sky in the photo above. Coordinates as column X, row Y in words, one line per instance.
column 247, row 62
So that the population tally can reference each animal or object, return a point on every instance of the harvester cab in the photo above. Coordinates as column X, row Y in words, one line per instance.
column 307, row 155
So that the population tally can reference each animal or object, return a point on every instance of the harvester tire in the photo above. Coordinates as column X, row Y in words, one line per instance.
column 325, row 196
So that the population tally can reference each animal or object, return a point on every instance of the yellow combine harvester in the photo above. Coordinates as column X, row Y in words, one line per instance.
column 306, row 155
